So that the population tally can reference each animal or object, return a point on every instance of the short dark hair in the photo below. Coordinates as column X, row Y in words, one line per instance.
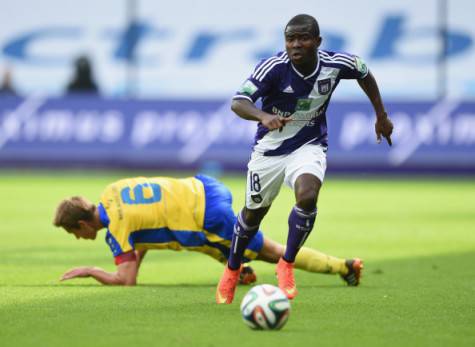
column 305, row 19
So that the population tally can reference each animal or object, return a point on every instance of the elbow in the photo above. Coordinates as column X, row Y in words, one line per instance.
column 240, row 107
column 130, row 282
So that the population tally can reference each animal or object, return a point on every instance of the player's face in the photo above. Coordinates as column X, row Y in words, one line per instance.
column 301, row 44
column 85, row 231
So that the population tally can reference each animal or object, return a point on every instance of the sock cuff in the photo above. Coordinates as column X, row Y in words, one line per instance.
column 305, row 214
column 245, row 226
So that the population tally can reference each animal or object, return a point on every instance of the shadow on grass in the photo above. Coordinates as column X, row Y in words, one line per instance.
column 97, row 285
column 377, row 274
column 44, row 285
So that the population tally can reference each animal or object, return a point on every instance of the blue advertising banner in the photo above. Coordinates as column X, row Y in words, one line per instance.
column 191, row 134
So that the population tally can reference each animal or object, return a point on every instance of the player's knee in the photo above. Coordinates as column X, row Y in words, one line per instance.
column 130, row 282
column 307, row 188
column 307, row 199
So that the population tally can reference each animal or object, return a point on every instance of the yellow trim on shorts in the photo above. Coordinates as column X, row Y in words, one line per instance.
column 174, row 245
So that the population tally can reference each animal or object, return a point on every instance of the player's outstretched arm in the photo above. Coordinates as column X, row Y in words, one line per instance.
column 383, row 126
column 126, row 274
column 247, row 110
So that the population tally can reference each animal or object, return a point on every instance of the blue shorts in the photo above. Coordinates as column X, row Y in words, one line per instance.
column 219, row 222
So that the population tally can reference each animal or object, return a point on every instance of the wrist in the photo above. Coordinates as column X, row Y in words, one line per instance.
column 262, row 116
column 381, row 115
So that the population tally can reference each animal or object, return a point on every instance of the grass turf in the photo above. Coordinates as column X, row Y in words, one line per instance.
column 417, row 238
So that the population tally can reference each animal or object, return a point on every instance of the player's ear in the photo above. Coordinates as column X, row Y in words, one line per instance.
column 318, row 41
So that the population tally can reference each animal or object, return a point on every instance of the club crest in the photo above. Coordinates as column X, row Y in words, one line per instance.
column 324, row 86
column 257, row 198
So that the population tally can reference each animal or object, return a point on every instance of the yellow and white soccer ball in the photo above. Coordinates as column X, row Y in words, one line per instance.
column 265, row 307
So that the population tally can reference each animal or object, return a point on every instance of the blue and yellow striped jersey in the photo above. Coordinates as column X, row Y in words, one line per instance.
column 158, row 212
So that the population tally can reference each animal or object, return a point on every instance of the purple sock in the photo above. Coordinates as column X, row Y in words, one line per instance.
column 242, row 235
column 300, row 226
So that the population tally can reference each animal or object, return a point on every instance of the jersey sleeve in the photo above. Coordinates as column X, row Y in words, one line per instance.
column 118, row 245
column 353, row 68
column 125, row 257
column 259, row 83
column 113, row 216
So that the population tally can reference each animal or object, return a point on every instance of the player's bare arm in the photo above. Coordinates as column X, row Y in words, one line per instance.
column 126, row 274
column 247, row 110
column 383, row 126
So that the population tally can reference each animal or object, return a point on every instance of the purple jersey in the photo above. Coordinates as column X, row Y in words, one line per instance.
column 286, row 92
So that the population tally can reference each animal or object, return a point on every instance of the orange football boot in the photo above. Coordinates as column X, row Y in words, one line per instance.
column 227, row 286
column 285, row 277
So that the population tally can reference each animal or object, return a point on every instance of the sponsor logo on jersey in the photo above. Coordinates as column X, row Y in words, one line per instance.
column 303, row 104
column 248, row 88
column 281, row 113
column 288, row 89
column 324, row 86
column 361, row 65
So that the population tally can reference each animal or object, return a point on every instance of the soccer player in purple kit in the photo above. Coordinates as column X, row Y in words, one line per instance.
column 295, row 87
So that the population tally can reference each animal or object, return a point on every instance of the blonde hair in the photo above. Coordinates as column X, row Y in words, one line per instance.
column 70, row 211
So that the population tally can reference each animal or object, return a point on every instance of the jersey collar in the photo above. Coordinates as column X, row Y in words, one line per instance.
column 103, row 217
column 312, row 74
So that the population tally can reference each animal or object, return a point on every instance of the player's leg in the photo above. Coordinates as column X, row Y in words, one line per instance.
column 245, row 228
column 304, row 173
column 271, row 251
column 218, row 231
column 242, row 235
column 218, row 227
column 264, row 179
column 311, row 260
column 307, row 259
column 265, row 176
column 303, row 214
column 301, row 221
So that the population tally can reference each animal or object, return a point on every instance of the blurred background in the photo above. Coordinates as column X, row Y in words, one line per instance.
column 143, row 84
column 96, row 90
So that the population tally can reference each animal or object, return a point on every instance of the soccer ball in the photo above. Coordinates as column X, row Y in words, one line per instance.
column 265, row 307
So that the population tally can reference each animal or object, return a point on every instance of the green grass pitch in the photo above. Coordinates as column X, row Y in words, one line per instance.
column 417, row 238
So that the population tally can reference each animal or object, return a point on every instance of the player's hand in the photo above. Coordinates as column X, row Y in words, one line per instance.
column 82, row 271
column 384, row 128
column 273, row 122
